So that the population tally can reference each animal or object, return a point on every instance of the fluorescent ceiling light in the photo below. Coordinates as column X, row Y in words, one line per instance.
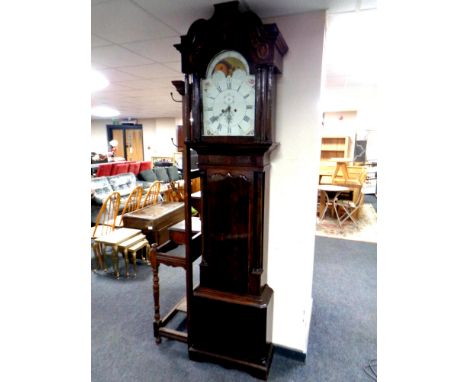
column 98, row 81
column 104, row 111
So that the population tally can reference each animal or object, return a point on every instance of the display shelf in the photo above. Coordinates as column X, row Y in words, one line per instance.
column 334, row 147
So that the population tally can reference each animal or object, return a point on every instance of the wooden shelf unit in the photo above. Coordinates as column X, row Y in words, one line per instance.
column 334, row 147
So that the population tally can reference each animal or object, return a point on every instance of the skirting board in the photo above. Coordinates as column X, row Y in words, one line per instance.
column 293, row 354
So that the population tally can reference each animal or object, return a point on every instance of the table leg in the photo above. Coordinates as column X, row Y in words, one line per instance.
column 336, row 209
column 134, row 263
column 147, row 256
column 115, row 260
column 324, row 202
column 157, row 316
column 126, row 262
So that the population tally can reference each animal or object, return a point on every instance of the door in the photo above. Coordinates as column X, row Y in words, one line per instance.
column 130, row 141
column 118, row 135
column 134, row 144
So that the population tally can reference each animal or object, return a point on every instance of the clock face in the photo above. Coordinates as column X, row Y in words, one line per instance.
column 228, row 97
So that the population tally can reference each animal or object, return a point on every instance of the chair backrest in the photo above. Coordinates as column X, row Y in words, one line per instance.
column 108, row 214
column 152, row 195
column 360, row 196
column 132, row 203
column 173, row 194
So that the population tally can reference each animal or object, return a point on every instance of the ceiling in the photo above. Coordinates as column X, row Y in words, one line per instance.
column 132, row 45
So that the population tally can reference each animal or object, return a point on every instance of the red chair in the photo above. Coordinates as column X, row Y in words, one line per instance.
column 104, row 169
column 134, row 167
column 119, row 168
column 146, row 166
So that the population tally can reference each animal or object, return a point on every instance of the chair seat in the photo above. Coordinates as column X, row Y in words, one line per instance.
column 101, row 230
column 345, row 203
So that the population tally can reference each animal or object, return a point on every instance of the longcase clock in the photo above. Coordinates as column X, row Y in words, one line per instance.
column 230, row 63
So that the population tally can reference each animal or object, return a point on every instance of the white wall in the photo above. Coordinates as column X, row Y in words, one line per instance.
column 157, row 134
column 99, row 136
column 161, row 145
column 294, row 174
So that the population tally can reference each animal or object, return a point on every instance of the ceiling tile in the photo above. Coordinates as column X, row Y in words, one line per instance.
column 151, row 71
column 95, row 2
column 160, row 50
column 122, row 21
column 141, row 84
column 97, row 66
column 115, row 56
column 179, row 14
column 97, row 41
column 115, row 75
column 176, row 66
column 139, row 93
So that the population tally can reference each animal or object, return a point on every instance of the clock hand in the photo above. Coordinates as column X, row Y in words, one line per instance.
column 216, row 117
column 229, row 114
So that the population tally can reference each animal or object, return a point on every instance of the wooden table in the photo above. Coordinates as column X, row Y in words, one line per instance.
column 177, row 231
column 325, row 201
column 115, row 240
column 171, row 253
column 155, row 220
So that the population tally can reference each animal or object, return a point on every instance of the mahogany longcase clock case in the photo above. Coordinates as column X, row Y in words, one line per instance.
column 230, row 62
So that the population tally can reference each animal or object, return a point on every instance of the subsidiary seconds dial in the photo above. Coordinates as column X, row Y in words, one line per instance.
column 228, row 95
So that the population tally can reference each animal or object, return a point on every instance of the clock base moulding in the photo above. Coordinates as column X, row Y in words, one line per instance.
column 224, row 337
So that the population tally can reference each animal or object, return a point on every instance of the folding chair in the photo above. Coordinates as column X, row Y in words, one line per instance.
column 347, row 208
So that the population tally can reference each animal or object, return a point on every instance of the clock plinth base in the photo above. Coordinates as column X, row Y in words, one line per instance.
column 232, row 330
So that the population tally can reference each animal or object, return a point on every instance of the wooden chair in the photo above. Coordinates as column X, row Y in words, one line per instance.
column 132, row 204
column 359, row 181
column 152, row 196
column 173, row 193
column 105, row 223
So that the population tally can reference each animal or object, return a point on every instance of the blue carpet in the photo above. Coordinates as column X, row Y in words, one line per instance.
column 341, row 342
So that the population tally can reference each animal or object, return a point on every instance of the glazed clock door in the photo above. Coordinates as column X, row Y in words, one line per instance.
column 228, row 95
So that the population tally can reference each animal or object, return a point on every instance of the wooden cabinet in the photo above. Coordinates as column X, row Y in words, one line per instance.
column 335, row 147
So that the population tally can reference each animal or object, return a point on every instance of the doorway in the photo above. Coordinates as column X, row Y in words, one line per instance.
column 130, row 141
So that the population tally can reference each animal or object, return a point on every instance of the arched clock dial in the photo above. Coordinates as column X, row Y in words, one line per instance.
column 228, row 95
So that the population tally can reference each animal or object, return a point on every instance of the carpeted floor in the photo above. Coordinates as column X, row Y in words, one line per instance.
column 342, row 337
column 364, row 230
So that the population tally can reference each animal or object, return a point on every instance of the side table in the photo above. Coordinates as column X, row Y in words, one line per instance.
column 122, row 239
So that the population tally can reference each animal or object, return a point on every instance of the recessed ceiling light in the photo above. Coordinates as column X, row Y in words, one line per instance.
column 98, row 81
column 104, row 111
